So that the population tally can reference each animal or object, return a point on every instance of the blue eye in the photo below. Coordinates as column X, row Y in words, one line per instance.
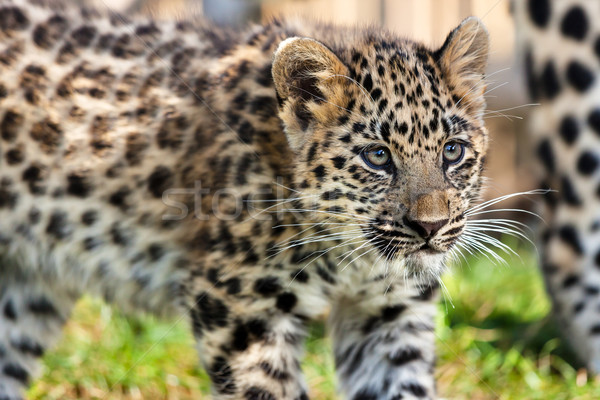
column 377, row 157
column 453, row 152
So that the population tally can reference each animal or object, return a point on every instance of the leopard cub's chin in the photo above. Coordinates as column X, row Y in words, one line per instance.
column 425, row 266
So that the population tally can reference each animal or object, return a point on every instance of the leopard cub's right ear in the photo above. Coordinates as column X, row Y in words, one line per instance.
column 309, row 81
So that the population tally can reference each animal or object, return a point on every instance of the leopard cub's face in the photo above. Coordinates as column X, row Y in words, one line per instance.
column 389, row 142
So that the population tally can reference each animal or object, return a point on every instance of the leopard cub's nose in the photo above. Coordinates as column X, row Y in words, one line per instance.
column 425, row 229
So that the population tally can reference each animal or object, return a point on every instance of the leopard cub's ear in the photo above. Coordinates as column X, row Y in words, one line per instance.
column 463, row 59
column 309, row 80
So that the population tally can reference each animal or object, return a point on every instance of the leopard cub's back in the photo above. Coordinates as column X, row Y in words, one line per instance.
column 97, row 114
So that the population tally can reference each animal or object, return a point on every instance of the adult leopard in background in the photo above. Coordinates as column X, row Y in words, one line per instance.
column 559, row 42
column 246, row 180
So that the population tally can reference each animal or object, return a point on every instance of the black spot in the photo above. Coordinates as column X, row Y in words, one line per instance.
column 28, row 346
column 49, row 135
column 84, row 35
column 358, row 127
column 568, row 129
column 256, row 393
column 392, row 312
column 371, row 324
column 15, row 156
column 404, row 355
column 42, row 306
column 240, row 337
column 539, row 12
column 376, row 94
column 568, row 192
column 118, row 235
column 579, row 76
column 368, row 82
column 339, row 162
column 319, row 172
column 595, row 330
column 119, row 198
column 325, row 275
column 273, row 372
column 13, row 19
column 78, row 184
column 546, row 155
column 332, row 195
column 592, row 290
column 385, row 131
column 365, row 394
column 16, row 372
column 59, row 226
column 234, row 285
column 300, row 276
column 578, row 307
column 569, row 235
column 156, row 252
column 303, row 115
column 9, row 310
column 222, row 376
column 8, row 198
column 89, row 217
column 594, row 120
column 160, row 180
column 90, row 243
column 149, row 29
column 575, row 23
column 257, row 327
column 312, row 150
column 212, row 311
column 267, row 286
column 549, row 80
column 286, row 301
column 264, row 107
column 587, row 163
column 415, row 388
column 9, row 127
column 403, row 128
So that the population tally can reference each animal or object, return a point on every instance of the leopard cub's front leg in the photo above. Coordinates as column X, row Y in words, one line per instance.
column 384, row 342
column 250, row 329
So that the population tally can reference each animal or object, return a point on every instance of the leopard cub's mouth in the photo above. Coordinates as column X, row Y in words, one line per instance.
column 420, row 255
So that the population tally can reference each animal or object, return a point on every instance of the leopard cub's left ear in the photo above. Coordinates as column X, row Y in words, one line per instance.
column 463, row 58
column 309, row 80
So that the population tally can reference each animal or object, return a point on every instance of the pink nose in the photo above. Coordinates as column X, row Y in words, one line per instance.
column 426, row 229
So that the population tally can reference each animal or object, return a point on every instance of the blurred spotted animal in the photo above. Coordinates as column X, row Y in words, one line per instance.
column 559, row 43
column 248, row 181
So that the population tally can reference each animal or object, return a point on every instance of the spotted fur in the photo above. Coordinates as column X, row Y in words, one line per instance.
column 178, row 169
column 566, row 135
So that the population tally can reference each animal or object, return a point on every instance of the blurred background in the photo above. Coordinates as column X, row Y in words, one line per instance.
column 496, row 339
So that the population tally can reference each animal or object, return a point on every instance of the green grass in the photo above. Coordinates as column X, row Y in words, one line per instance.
column 495, row 341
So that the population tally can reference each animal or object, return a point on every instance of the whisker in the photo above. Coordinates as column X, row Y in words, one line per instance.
column 493, row 201
column 517, row 210
column 360, row 217
column 358, row 248
column 323, row 252
column 485, row 251
column 485, row 238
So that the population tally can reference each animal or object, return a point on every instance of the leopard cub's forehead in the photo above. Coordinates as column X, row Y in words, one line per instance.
column 402, row 93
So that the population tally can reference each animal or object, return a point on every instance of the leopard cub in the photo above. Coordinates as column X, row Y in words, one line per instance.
column 249, row 181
